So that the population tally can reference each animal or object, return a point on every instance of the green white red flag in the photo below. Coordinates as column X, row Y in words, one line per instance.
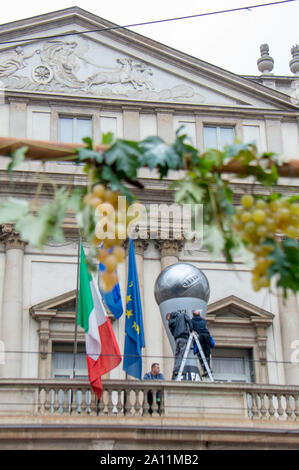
column 102, row 350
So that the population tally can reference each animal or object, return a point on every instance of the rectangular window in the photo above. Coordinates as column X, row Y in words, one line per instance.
column 232, row 365
column 73, row 129
column 62, row 361
column 217, row 137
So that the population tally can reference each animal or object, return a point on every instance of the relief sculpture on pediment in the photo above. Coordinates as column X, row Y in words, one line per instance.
column 67, row 66
column 16, row 61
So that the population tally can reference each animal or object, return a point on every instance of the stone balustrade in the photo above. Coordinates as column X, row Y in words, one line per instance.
column 130, row 398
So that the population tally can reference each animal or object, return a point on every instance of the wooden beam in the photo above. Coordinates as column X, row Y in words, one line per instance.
column 47, row 151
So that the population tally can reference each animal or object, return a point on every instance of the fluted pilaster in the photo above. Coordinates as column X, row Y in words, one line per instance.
column 289, row 325
column 12, row 307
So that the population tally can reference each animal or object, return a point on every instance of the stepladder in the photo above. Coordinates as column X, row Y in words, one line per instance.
column 193, row 336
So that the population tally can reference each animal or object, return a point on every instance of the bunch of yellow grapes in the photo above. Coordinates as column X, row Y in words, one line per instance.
column 110, row 252
column 258, row 219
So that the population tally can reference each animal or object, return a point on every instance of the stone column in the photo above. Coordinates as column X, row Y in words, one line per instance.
column 140, row 246
column 169, row 250
column 289, row 325
column 12, row 307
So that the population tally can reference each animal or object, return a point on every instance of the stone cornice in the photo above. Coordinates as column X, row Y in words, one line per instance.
column 235, row 111
column 153, row 192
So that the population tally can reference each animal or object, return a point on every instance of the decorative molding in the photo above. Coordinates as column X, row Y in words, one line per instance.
column 265, row 63
column 140, row 246
column 169, row 247
column 66, row 66
column 11, row 238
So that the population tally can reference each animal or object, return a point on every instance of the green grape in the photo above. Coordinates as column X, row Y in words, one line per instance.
column 247, row 200
column 270, row 223
column 249, row 227
column 262, row 230
column 261, row 204
column 294, row 209
column 284, row 214
column 291, row 231
column 246, row 216
column 258, row 216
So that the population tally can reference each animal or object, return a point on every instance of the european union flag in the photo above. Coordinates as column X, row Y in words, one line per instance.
column 134, row 340
column 112, row 298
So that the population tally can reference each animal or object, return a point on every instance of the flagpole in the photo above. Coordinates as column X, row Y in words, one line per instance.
column 77, row 297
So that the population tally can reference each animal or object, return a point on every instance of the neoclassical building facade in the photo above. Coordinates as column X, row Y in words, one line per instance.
column 65, row 87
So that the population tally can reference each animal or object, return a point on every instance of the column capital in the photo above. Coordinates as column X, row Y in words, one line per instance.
column 11, row 238
column 140, row 245
column 169, row 247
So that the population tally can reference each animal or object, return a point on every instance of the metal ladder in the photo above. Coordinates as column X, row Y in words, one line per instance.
column 188, row 346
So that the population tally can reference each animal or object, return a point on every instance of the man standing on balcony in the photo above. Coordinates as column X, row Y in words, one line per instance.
column 154, row 374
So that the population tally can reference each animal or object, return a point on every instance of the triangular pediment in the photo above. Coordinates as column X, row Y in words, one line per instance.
column 61, row 303
column 117, row 64
column 233, row 307
column 63, row 306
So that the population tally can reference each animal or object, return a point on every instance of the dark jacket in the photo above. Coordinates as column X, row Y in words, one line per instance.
column 199, row 325
column 179, row 325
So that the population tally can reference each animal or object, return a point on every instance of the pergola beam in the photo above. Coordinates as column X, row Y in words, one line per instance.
column 55, row 151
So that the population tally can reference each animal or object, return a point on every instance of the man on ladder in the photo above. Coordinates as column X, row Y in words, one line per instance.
column 200, row 334
column 199, row 325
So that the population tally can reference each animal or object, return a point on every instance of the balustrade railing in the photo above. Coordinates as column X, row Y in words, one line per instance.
column 149, row 398
column 117, row 399
column 273, row 404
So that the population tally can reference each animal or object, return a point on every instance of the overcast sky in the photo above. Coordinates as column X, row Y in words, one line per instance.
column 229, row 40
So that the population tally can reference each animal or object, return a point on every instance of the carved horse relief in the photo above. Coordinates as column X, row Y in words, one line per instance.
column 128, row 72
column 66, row 67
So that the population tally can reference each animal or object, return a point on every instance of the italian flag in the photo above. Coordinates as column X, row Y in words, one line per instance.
column 102, row 350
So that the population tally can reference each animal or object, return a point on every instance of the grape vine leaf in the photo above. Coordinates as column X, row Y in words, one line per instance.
column 17, row 157
column 108, row 138
column 84, row 154
column 213, row 240
column 13, row 209
column 285, row 263
column 110, row 176
column 157, row 154
column 188, row 191
column 125, row 155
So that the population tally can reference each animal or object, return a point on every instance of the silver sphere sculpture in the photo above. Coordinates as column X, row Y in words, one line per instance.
column 182, row 286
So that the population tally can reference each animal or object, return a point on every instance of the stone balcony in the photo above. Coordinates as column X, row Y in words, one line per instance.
column 42, row 411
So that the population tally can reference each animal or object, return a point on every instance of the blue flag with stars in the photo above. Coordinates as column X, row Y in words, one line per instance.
column 134, row 339
column 112, row 298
